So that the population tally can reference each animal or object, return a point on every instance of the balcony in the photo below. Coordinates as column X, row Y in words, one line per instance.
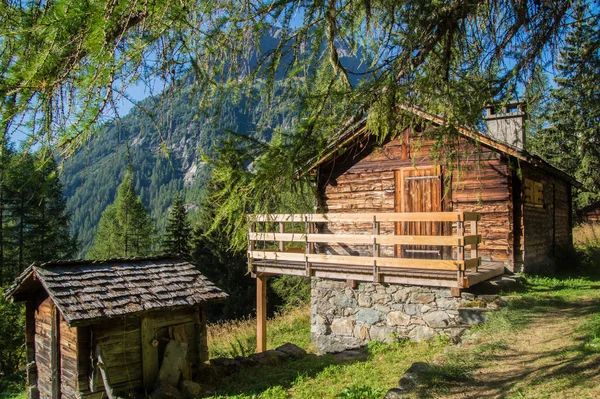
column 437, row 249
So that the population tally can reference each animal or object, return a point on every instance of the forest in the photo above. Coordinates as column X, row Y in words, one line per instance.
column 239, row 99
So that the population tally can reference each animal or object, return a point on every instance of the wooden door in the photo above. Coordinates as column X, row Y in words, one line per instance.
column 419, row 189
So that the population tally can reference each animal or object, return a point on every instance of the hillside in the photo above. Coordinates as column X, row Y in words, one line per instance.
column 163, row 139
column 164, row 148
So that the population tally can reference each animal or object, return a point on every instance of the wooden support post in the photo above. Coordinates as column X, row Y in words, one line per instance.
column 455, row 292
column 150, row 361
column 261, row 313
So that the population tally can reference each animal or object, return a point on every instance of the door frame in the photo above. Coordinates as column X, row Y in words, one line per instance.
column 399, row 200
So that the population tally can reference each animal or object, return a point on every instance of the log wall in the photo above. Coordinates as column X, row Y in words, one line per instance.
column 68, row 361
column 547, row 228
column 363, row 180
column 43, row 348
column 526, row 238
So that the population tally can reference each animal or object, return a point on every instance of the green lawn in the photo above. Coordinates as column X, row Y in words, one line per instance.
column 564, row 299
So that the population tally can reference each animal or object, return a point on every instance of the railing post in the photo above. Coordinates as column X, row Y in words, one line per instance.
column 376, row 250
column 251, row 230
column 475, row 247
column 281, row 243
column 308, row 247
column 460, row 232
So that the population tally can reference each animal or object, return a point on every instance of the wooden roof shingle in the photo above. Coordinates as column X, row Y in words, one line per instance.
column 86, row 291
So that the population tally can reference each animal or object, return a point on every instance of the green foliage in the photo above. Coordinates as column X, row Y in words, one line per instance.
column 570, row 141
column 293, row 290
column 12, row 339
column 34, row 223
column 178, row 233
column 227, row 269
column 360, row 392
column 66, row 61
column 125, row 229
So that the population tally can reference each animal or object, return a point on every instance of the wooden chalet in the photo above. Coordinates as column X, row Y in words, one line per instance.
column 589, row 213
column 403, row 212
column 97, row 329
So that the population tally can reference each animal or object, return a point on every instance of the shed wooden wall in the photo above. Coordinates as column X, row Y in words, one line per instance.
column 122, row 341
column 363, row 180
column 43, row 348
column 68, row 361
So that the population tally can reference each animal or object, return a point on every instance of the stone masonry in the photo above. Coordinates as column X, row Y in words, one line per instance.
column 343, row 318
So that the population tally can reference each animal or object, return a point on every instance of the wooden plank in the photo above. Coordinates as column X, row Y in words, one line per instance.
column 486, row 274
column 367, row 217
column 367, row 239
column 362, row 260
column 55, row 353
column 149, row 352
column 261, row 314
column 173, row 362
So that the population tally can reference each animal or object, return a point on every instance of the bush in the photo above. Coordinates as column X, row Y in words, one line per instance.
column 12, row 336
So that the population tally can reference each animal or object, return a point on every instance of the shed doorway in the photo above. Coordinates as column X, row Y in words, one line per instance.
column 419, row 189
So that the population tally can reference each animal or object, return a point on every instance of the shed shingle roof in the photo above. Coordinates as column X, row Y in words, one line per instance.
column 88, row 291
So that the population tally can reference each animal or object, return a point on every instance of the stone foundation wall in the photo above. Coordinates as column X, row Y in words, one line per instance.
column 343, row 318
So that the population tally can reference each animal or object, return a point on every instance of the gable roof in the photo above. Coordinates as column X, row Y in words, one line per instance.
column 86, row 291
column 359, row 129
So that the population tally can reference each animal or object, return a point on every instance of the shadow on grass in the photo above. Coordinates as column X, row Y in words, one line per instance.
column 256, row 380
column 570, row 365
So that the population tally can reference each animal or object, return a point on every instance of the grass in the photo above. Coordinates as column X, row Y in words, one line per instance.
column 238, row 337
column 326, row 377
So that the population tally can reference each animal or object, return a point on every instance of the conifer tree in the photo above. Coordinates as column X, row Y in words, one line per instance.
column 572, row 140
column 125, row 228
column 178, row 230
column 34, row 222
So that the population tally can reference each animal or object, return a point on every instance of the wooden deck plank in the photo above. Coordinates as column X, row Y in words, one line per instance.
column 424, row 277
column 408, row 263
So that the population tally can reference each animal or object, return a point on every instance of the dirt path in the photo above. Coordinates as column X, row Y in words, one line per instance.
column 543, row 360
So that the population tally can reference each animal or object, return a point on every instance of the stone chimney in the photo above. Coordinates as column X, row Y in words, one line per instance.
column 506, row 124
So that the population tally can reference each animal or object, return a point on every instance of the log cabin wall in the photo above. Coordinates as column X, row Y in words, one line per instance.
column 363, row 179
column 68, row 361
column 547, row 219
column 43, row 348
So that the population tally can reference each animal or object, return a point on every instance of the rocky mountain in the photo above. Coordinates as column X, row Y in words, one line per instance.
column 162, row 139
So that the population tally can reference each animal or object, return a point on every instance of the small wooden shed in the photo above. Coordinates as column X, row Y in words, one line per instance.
column 95, row 329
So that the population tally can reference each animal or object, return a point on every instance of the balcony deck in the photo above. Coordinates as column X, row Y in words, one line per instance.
column 421, row 277
column 438, row 249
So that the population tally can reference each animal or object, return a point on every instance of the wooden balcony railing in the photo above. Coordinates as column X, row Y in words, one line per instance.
column 286, row 239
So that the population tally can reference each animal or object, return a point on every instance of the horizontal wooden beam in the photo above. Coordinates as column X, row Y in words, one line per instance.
column 367, row 239
column 367, row 217
column 406, row 263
